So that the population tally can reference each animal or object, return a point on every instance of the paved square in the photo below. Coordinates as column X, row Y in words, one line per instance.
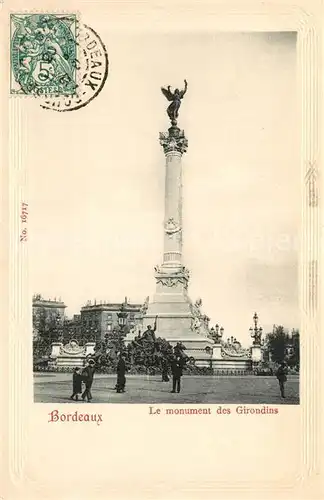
column 57, row 388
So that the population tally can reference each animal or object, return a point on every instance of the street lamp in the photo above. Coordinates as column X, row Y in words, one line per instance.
column 217, row 333
column 122, row 317
column 122, row 322
column 256, row 332
column 59, row 329
column 93, row 334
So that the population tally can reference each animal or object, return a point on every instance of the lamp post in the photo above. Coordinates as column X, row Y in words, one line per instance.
column 122, row 323
column 256, row 349
column 256, row 331
column 59, row 329
column 216, row 333
column 93, row 334
column 122, row 317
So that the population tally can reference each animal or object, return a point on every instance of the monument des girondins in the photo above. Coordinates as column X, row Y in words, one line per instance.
column 178, row 318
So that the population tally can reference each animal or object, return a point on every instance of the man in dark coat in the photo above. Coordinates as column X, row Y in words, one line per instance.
column 121, row 369
column 176, row 368
column 77, row 384
column 165, row 369
column 178, row 349
column 87, row 376
column 282, row 377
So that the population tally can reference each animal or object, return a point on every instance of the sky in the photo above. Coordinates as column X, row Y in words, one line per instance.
column 96, row 178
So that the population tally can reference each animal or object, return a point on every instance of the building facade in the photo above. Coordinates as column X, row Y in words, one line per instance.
column 47, row 313
column 94, row 323
column 100, row 320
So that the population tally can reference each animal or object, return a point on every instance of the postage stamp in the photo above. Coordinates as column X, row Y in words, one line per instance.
column 43, row 54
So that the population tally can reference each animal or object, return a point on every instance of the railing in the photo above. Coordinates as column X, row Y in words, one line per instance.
column 233, row 373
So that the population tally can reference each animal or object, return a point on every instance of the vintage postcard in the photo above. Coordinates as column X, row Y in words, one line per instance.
column 161, row 259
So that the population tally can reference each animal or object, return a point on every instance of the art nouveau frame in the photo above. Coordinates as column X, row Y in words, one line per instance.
column 16, row 310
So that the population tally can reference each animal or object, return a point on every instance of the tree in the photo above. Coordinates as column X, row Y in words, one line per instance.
column 48, row 327
column 277, row 342
column 281, row 345
column 294, row 359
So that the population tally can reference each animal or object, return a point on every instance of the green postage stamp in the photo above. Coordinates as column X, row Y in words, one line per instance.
column 43, row 54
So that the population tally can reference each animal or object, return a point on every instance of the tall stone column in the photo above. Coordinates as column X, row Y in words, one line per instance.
column 174, row 145
column 172, row 277
column 171, row 304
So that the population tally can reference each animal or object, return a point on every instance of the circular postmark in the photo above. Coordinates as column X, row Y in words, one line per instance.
column 92, row 71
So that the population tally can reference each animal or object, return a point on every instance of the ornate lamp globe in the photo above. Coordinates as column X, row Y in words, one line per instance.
column 122, row 316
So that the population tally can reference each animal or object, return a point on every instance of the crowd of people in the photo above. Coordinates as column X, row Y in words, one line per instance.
column 146, row 350
column 85, row 376
column 177, row 363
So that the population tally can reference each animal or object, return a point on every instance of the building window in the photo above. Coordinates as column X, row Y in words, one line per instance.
column 108, row 328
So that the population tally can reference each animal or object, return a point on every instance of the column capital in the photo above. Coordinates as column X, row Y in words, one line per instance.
column 173, row 141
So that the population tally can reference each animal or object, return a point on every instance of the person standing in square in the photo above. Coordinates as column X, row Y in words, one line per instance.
column 77, row 383
column 282, row 377
column 176, row 368
column 87, row 376
column 121, row 370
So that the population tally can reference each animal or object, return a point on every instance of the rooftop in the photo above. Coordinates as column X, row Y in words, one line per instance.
column 38, row 300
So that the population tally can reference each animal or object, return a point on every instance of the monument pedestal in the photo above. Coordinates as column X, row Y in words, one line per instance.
column 176, row 314
column 256, row 353
column 217, row 352
column 56, row 349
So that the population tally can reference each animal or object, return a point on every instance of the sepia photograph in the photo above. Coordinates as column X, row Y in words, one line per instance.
column 164, row 227
column 162, row 240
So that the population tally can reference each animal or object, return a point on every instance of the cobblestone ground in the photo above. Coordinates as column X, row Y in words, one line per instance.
column 57, row 388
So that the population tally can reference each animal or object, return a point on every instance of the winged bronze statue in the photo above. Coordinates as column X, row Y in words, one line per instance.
column 175, row 98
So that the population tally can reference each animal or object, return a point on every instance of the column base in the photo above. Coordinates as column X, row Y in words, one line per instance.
column 176, row 316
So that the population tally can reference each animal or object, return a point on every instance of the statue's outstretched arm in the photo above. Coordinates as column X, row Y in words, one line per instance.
column 185, row 89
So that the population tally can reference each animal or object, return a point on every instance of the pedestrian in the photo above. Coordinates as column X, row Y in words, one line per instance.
column 121, row 369
column 281, row 375
column 77, row 384
column 87, row 376
column 165, row 369
column 176, row 368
